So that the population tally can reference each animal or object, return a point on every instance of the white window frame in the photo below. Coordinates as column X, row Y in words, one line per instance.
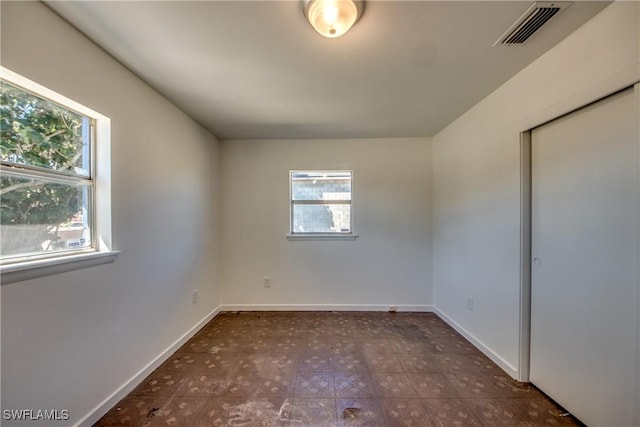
column 30, row 267
column 314, row 235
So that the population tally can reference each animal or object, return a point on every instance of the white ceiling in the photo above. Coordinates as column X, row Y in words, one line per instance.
column 257, row 70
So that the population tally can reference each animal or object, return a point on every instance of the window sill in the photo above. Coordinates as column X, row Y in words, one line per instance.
column 322, row 236
column 46, row 267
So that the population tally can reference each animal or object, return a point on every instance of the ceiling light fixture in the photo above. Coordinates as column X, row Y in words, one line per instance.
column 332, row 18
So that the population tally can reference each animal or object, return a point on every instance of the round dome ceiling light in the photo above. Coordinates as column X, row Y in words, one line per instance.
column 332, row 18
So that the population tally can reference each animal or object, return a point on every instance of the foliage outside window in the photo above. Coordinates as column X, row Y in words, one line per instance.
column 321, row 203
column 46, row 178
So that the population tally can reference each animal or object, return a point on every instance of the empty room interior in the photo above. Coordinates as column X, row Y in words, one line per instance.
column 320, row 213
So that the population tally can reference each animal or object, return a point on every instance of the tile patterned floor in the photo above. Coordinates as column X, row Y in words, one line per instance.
column 331, row 369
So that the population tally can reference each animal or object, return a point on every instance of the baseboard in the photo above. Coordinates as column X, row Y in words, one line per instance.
column 94, row 415
column 324, row 307
column 512, row 371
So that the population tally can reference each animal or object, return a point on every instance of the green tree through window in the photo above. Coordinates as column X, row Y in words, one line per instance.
column 45, row 178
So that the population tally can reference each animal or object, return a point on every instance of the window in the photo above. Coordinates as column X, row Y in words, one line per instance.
column 321, row 204
column 50, row 206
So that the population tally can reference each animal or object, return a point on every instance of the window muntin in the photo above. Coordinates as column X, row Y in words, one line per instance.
column 321, row 202
column 46, row 179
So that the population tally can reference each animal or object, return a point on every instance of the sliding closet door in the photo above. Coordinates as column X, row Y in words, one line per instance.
column 584, row 275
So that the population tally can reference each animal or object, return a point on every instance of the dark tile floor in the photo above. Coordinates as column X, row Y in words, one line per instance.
column 331, row 369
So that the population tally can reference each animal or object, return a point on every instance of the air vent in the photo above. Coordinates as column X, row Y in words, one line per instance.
column 535, row 17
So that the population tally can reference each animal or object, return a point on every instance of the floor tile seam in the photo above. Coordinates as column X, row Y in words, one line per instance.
column 200, row 369
column 477, row 410
column 374, row 394
column 471, row 411
column 389, row 422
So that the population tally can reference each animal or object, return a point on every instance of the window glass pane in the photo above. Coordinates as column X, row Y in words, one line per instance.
column 37, row 132
column 39, row 216
column 321, row 185
column 329, row 218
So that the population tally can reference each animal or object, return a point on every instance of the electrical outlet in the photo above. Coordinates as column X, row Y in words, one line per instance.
column 470, row 303
column 194, row 296
column 267, row 282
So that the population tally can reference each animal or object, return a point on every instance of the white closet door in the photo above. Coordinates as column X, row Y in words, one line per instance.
column 585, row 281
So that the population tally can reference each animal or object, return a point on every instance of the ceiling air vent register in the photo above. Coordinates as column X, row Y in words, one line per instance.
column 535, row 17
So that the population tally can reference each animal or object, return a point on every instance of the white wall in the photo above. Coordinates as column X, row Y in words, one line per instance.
column 389, row 263
column 476, row 183
column 71, row 340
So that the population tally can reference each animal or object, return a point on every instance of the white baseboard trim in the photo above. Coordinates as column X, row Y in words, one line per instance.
column 503, row 364
column 324, row 307
column 94, row 415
